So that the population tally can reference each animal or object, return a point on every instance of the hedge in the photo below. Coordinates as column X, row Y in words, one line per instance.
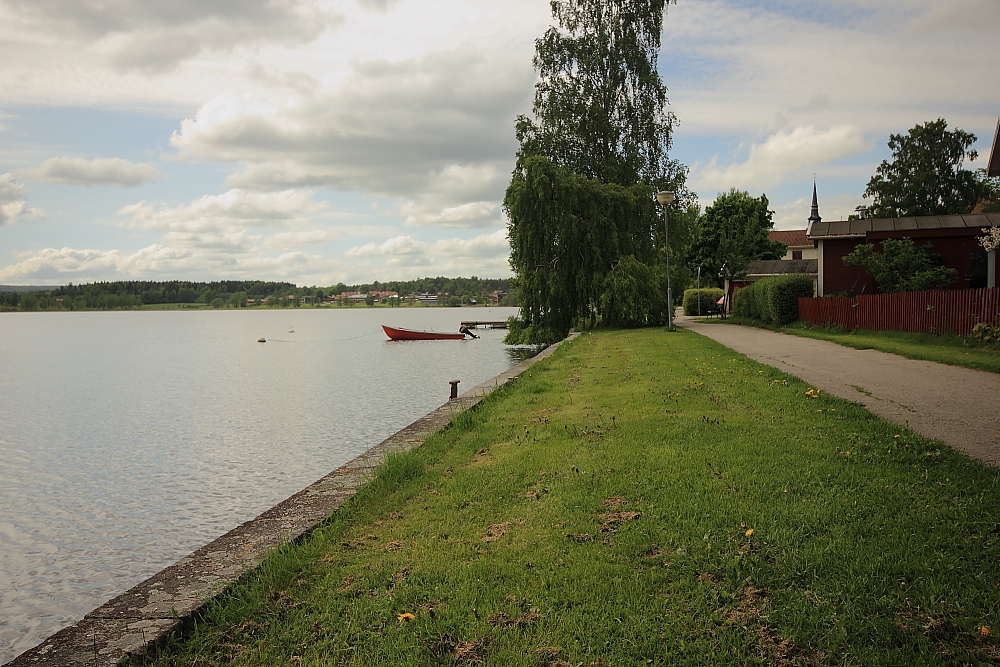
column 774, row 300
column 709, row 295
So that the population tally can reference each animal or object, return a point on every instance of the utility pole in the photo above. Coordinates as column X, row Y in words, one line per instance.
column 664, row 199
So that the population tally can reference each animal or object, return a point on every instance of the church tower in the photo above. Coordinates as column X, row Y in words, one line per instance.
column 814, row 214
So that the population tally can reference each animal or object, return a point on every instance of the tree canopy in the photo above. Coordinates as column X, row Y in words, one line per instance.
column 902, row 266
column 925, row 175
column 590, row 158
column 731, row 233
column 570, row 232
column 600, row 105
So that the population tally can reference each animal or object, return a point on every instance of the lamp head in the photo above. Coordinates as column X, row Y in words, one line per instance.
column 664, row 197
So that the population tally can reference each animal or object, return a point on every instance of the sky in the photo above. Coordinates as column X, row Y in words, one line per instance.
column 325, row 141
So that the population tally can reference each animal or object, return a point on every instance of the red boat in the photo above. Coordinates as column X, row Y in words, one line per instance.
column 407, row 334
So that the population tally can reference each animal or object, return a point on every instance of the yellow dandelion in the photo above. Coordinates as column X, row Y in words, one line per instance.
column 405, row 618
column 895, row 436
column 749, row 532
column 984, row 631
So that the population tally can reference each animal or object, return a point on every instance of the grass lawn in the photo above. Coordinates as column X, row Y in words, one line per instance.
column 640, row 498
column 953, row 350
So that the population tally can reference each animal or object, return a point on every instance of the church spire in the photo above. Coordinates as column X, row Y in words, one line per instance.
column 814, row 214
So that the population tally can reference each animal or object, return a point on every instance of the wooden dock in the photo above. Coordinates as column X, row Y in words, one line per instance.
column 476, row 324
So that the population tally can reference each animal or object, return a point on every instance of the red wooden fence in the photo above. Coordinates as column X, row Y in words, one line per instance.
column 938, row 311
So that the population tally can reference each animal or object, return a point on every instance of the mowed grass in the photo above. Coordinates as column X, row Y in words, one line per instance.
column 640, row 498
column 944, row 349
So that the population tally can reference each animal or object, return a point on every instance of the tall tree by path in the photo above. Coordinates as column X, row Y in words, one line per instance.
column 600, row 105
column 732, row 233
column 589, row 161
column 925, row 175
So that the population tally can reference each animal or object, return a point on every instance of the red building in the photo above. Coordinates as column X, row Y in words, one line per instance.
column 954, row 237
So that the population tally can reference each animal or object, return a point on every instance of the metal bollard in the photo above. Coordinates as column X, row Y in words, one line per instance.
column 454, row 389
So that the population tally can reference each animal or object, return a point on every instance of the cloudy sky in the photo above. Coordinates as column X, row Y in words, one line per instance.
column 319, row 141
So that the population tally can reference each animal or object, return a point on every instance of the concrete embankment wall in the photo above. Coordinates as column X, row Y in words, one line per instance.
column 168, row 601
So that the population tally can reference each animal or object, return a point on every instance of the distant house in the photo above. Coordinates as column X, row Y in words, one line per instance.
column 497, row 297
column 427, row 298
column 802, row 256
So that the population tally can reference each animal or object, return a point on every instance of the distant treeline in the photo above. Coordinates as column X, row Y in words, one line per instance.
column 130, row 294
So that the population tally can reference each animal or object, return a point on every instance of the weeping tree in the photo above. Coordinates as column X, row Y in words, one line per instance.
column 590, row 158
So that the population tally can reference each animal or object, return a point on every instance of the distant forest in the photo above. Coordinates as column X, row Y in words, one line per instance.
column 131, row 294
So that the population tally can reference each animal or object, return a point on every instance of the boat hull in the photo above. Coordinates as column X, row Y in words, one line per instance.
column 407, row 334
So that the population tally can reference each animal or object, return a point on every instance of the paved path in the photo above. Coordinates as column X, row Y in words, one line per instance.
column 959, row 406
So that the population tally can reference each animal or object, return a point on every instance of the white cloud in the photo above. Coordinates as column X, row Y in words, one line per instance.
column 100, row 171
column 433, row 132
column 757, row 68
column 391, row 129
column 231, row 211
column 406, row 257
column 13, row 205
column 795, row 215
column 159, row 262
column 781, row 155
column 154, row 37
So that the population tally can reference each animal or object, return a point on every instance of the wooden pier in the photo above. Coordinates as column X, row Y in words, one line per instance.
column 476, row 324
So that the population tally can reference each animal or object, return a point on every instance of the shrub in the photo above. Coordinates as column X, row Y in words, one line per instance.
column 774, row 300
column 986, row 333
column 635, row 295
column 708, row 295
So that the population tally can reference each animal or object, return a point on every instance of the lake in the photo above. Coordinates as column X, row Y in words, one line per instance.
column 129, row 439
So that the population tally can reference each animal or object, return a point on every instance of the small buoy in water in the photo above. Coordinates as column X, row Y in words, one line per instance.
column 261, row 340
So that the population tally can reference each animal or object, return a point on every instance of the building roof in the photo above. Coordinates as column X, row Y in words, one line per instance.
column 859, row 228
column 993, row 166
column 790, row 237
column 781, row 267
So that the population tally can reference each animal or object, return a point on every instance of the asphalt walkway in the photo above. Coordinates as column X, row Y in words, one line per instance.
column 958, row 406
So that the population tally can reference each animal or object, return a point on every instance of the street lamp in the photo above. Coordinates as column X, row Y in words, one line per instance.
column 664, row 198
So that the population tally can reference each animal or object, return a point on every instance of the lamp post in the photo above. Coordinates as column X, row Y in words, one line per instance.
column 664, row 198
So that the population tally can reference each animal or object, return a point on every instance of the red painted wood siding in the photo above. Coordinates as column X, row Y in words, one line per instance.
column 837, row 276
column 936, row 311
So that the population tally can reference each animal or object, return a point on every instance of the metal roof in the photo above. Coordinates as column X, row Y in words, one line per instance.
column 859, row 228
column 781, row 267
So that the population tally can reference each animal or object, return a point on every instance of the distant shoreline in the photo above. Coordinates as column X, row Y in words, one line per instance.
column 207, row 307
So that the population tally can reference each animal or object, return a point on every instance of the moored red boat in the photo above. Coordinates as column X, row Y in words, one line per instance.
column 407, row 334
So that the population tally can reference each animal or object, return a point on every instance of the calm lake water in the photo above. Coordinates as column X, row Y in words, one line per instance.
column 129, row 439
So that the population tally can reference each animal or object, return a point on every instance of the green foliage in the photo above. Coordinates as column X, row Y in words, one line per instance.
column 902, row 266
column 580, row 197
column 635, row 295
column 925, row 176
column 707, row 297
column 600, row 105
column 627, row 502
column 566, row 233
column 730, row 234
column 774, row 300
column 988, row 334
column 989, row 195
